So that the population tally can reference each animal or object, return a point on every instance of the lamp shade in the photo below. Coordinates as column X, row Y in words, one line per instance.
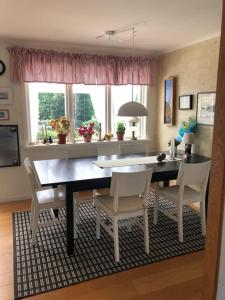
column 189, row 138
column 132, row 109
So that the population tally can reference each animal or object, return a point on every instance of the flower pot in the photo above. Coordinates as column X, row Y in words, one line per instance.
column 120, row 136
column 87, row 138
column 62, row 138
column 108, row 136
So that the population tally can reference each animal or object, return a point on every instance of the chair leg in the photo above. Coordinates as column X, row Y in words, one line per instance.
column 32, row 215
column 129, row 225
column 52, row 213
column 156, row 205
column 97, row 221
column 35, row 226
column 94, row 195
column 77, row 207
column 180, row 223
column 146, row 231
column 116, row 239
column 203, row 223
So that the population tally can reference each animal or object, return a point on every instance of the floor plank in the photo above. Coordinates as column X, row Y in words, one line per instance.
column 177, row 278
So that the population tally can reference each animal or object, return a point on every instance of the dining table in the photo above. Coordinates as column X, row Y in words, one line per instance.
column 82, row 174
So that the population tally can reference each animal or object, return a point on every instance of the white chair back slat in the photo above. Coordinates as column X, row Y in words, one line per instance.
column 194, row 174
column 130, row 184
column 133, row 148
column 32, row 173
column 108, row 149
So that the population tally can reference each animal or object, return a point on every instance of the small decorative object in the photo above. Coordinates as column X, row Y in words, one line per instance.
column 86, row 131
column 161, row 157
column 50, row 141
column 4, row 115
column 2, row 67
column 120, row 131
column 206, row 108
column 173, row 150
column 133, row 123
column 108, row 136
column 189, row 141
column 100, row 133
column 185, row 102
column 5, row 96
column 45, row 140
column 170, row 101
column 61, row 126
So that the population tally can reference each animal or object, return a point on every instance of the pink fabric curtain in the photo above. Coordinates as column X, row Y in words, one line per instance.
column 35, row 65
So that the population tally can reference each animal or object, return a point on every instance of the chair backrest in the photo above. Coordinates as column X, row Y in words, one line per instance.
column 108, row 149
column 133, row 148
column 194, row 174
column 34, row 180
column 130, row 184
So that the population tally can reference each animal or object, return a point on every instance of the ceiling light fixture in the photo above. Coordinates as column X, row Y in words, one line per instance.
column 132, row 109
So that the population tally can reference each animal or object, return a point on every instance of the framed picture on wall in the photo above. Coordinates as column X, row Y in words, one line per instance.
column 5, row 96
column 4, row 114
column 169, row 101
column 185, row 102
column 206, row 108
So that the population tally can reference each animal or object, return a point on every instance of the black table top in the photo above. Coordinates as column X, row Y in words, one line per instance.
column 85, row 173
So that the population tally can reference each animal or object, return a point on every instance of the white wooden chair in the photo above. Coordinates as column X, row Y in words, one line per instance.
column 106, row 149
column 128, row 199
column 182, row 194
column 43, row 199
column 133, row 148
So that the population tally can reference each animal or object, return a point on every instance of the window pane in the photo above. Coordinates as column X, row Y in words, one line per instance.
column 47, row 101
column 120, row 95
column 89, row 106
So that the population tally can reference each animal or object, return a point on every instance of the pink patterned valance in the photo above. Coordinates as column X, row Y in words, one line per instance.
column 35, row 65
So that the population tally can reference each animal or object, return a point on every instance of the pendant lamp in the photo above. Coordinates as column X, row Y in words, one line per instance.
column 132, row 108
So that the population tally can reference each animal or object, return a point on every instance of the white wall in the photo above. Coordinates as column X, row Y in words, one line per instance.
column 14, row 184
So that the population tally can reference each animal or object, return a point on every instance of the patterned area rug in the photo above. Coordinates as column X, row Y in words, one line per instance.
column 47, row 266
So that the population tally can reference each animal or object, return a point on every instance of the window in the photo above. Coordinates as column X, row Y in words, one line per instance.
column 46, row 101
column 89, row 105
column 120, row 95
column 81, row 104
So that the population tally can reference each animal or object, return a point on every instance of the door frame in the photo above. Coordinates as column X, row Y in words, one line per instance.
column 217, row 183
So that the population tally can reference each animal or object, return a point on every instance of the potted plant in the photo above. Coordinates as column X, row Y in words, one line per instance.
column 120, row 130
column 86, row 131
column 61, row 126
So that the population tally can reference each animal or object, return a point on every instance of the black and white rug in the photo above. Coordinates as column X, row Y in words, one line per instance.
column 47, row 266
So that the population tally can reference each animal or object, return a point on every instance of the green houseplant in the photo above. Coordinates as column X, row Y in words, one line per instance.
column 120, row 130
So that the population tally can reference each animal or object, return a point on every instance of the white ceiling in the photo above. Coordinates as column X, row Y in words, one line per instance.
column 165, row 25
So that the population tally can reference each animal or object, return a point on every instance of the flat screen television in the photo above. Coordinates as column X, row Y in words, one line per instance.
column 9, row 146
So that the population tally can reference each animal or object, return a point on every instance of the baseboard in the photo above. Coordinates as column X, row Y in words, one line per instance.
column 15, row 198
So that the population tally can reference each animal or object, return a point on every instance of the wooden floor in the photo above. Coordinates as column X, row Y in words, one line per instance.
column 177, row 278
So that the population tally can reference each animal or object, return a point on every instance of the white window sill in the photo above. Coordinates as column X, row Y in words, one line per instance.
column 92, row 144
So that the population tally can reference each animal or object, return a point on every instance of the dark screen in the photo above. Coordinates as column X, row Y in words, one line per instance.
column 9, row 146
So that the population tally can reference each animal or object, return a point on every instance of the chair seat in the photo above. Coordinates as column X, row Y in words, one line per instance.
column 126, row 204
column 171, row 194
column 48, row 196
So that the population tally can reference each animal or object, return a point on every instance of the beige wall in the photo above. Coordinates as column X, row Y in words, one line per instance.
column 195, row 68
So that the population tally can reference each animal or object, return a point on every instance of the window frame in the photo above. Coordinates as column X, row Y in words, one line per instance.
column 69, row 111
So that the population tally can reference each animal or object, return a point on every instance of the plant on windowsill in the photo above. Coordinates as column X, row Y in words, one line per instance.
column 61, row 126
column 120, row 130
column 86, row 131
